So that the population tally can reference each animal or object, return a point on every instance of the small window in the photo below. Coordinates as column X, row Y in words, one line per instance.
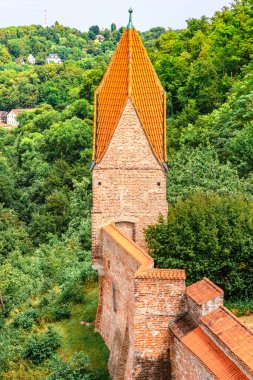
column 99, row 183
column 108, row 264
column 158, row 183
column 114, row 298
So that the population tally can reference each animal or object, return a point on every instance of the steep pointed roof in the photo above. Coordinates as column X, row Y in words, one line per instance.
column 130, row 74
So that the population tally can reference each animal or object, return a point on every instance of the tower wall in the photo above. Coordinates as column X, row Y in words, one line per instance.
column 128, row 184
column 158, row 303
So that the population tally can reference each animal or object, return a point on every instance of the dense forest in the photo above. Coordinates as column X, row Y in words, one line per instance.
column 47, row 286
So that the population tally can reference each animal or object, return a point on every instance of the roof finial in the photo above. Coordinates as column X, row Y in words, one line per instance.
column 130, row 24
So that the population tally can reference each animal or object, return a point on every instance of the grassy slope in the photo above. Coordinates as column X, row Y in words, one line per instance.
column 75, row 337
column 78, row 337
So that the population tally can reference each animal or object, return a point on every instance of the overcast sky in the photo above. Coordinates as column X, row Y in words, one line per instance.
column 84, row 13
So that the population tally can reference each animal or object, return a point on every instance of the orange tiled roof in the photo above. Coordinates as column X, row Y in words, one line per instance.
column 203, row 291
column 128, row 245
column 201, row 345
column 232, row 333
column 130, row 74
column 146, row 262
column 164, row 274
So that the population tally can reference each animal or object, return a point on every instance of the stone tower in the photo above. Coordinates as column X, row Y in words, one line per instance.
column 129, row 145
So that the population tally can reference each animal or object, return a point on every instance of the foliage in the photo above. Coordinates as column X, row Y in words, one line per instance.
column 42, row 346
column 61, row 312
column 202, row 61
column 10, row 342
column 198, row 170
column 240, row 307
column 228, row 129
column 26, row 319
column 208, row 236
column 45, row 184
column 77, row 369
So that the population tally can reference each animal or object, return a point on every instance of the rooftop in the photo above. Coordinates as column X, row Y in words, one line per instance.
column 203, row 291
column 130, row 74
column 232, row 333
column 128, row 245
column 163, row 274
column 18, row 110
column 213, row 358
column 142, row 257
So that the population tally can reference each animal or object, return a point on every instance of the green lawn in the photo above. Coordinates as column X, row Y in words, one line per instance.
column 76, row 337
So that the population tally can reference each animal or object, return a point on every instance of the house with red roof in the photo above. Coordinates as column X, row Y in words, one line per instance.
column 153, row 324
column 12, row 115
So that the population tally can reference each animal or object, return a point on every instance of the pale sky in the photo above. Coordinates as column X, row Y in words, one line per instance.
column 81, row 14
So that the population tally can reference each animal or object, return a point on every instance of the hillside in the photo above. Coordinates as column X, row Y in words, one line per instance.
column 47, row 286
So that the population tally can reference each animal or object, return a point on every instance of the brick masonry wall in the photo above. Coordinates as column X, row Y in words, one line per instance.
column 158, row 303
column 128, row 185
column 185, row 366
column 196, row 311
column 116, row 327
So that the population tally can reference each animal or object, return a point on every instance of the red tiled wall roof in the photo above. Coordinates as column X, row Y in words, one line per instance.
column 146, row 270
column 232, row 333
column 203, row 291
column 163, row 274
column 201, row 345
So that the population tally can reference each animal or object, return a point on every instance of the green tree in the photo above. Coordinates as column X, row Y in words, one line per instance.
column 95, row 29
column 208, row 236
column 113, row 27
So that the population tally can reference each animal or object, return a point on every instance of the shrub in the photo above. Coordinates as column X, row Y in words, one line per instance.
column 61, row 312
column 10, row 346
column 44, row 301
column 41, row 347
column 241, row 307
column 79, row 368
column 56, row 312
column 208, row 236
column 72, row 293
column 26, row 319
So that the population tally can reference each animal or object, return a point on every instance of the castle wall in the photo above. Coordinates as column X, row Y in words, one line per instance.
column 196, row 311
column 128, row 185
column 158, row 303
column 116, row 311
column 186, row 366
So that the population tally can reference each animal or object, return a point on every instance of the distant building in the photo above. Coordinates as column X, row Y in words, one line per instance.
column 3, row 116
column 12, row 115
column 31, row 59
column 53, row 58
column 100, row 37
column 20, row 61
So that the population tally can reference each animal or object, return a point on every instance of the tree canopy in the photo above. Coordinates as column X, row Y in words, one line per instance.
column 45, row 182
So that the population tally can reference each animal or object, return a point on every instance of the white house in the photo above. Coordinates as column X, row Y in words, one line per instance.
column 31, row 59
column 53, row 58
column 12, row 115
